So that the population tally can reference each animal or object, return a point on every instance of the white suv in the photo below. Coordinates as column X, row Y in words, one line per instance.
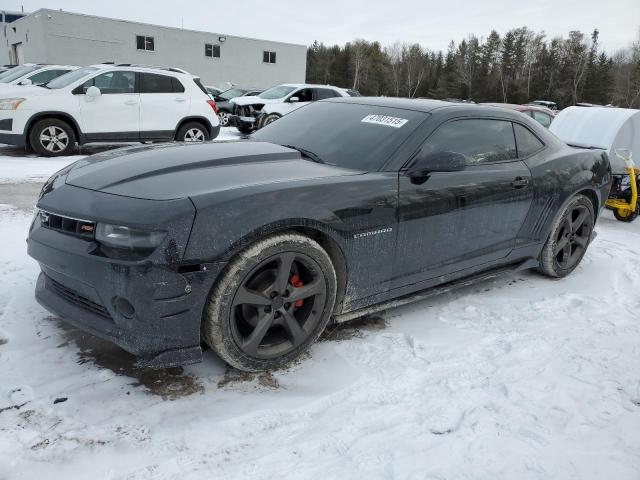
column 32, row 74
column 250, row 113
column 107, row 103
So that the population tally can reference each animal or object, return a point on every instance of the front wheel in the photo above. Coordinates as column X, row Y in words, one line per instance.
column 273, row 301
column 272, row 117
column 244, row 128
column 569, row 238
column 52, row 137
column 192, row 132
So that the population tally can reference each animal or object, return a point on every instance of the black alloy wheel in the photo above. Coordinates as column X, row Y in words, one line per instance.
column 278, row 305
column 572, row 239
column 569, row 238
column 273, row 301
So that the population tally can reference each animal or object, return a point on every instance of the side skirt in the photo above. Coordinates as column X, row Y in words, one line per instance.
column 432, row 292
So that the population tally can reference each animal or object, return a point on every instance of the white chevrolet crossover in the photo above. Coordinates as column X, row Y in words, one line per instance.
column 108, row 103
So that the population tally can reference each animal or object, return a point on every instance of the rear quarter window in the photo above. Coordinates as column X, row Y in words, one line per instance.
column 526, row 142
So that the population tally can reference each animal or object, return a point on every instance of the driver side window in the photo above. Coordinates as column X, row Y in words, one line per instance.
column 113, row 82
column 304, row 95
column 479, row 140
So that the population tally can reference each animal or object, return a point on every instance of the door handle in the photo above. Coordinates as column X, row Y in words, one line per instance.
column 180, row 99
column 131, row 102
column 520, row 182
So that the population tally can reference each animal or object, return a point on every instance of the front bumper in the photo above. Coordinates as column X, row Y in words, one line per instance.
column 164, row 300
column 13, row 139
column 235, row 120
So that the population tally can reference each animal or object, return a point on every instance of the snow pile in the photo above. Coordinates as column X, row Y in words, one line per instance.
column 519, row 378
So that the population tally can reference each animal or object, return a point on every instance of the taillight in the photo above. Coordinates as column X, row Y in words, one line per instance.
column 213, row 105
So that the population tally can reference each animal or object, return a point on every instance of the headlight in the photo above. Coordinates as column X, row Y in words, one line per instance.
column 10, row 103
column 119, row 236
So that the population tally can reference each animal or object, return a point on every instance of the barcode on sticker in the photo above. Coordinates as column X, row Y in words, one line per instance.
column 394, row 122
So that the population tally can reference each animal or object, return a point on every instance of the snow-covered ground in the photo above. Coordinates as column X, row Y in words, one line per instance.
column 519, row 378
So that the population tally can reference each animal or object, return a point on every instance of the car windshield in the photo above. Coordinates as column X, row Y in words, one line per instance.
column 231, row 93
column 360, row 137
column 276, row 92
column 17, row 72
column 71, row 77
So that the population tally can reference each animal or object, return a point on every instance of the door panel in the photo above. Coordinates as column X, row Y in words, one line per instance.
column 162, row 105
column 116, row 110
column 457, row 220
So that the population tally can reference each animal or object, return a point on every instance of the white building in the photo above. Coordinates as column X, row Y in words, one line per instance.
column 53, row 36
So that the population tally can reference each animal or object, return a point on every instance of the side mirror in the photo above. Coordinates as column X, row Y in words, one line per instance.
column 424, row 164
column 93, row 92
column 26, row 81
column 294, row 100
column 218, row 98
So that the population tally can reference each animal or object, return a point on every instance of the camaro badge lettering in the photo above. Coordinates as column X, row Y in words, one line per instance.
column 394, row 122
column 372, row 232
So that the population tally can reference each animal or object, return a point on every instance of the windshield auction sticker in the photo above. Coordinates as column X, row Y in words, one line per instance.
column 386, row 120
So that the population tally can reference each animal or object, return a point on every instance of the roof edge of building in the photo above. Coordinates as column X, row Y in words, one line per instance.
column 50, row 10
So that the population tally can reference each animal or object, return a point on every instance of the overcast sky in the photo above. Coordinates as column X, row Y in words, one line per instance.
column 428, row 22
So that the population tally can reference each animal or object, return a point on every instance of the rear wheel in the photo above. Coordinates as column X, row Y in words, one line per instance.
column 271, row 304
column 224, row 118
column 192, row 132
column 626, row 215
column 52, row 137
column 569, row 238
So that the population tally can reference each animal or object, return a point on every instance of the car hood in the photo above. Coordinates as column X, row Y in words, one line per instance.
column 171, row 171
column 251, row 99
column 7, row 90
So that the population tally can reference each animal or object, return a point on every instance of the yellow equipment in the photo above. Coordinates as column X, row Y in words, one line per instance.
column 624, row 203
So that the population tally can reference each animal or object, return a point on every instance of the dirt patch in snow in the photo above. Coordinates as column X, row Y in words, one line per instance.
column 353, row 329
column 234, row 377
column 169, row 383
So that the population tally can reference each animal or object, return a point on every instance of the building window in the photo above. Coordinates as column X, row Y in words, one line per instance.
column 144, row 43
column 211, row 50
column 269, row 57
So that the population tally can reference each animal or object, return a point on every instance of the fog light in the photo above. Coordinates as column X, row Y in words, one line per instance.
column 123, row 307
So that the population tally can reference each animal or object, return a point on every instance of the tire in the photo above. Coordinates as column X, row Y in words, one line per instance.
column 267, row 119
column 569, row 238
column 245, row 129
column 193, row 132
column 629, row 217
column 52, row 137
column 282, row 323
column 223, row 117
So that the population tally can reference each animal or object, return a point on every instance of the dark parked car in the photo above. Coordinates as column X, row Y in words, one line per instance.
column 542, row 115
column 340, row 208
column 225, row 108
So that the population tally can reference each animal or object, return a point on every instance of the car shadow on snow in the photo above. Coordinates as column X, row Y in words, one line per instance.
column 169, row 383
column 90, row 149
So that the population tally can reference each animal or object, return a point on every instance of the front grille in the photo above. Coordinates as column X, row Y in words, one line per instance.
column 69, row 225
column 74, row 297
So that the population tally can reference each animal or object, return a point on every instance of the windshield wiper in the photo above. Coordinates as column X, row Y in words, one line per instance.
column 306, row 153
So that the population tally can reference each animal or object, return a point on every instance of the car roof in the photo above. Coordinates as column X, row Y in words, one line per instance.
column 312, row 85
column 521, row 108
column 151, row 68
column 418, row 105
column 428, row 105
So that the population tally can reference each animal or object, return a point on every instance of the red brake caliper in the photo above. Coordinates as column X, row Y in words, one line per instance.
column 297, row 283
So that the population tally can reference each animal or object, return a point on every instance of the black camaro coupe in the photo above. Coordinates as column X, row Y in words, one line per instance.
column 339, row 208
